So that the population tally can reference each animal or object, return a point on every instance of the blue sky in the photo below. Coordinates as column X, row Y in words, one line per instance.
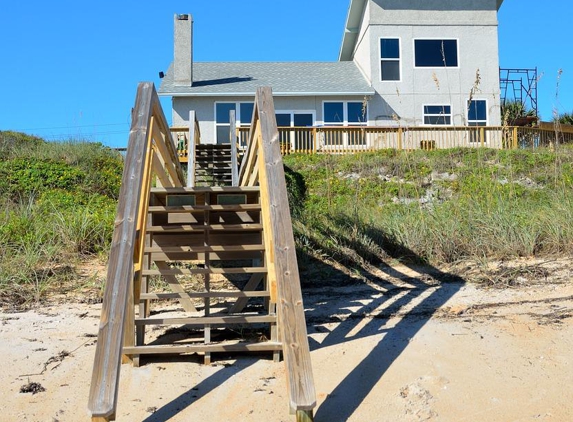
column 69, row 69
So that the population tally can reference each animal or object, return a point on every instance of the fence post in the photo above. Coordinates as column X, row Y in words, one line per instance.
column 514, row 138
column 191, row 151
column 399, row 138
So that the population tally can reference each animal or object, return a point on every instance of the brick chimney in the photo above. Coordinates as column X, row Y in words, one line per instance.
column 183, row 50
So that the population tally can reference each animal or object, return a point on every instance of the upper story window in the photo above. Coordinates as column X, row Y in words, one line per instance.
column 389, row 59
column 437, row 115
column 436, row 53
column 243, row 115
column 477, row 113
column 345, row 113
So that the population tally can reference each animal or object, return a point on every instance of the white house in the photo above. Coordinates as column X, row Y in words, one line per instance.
column 402, row 63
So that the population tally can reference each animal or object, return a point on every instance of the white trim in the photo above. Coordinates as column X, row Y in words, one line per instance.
column 451, row 115
column 399, row 59
column 457, row 40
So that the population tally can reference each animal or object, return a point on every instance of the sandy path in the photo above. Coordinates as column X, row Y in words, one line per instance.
column 407, row 351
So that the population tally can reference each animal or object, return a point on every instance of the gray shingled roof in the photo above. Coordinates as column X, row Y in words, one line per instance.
column 288, row 78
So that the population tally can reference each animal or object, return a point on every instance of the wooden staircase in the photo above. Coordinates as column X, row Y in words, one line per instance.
column 213, row 165
column 212, row 238
column 225, row 254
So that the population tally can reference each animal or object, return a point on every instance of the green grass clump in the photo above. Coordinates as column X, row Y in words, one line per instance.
column 58, row 206
column 436, row 206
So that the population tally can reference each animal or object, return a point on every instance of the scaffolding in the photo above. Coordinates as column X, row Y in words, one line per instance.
column 519, row 85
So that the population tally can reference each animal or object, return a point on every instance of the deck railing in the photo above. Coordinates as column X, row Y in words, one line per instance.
column 341, row 139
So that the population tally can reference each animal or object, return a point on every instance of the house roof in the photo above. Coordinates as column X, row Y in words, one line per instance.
column 285, row 78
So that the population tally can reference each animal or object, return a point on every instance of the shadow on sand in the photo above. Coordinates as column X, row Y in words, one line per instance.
column 359, row 307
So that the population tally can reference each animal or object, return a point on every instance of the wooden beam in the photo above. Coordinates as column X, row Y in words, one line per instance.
column 211, row 320
column 212, row 293
column 234, row 347
column 174, row 284
column 292, row 324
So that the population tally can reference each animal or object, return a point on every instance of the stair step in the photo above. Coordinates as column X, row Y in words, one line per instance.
column 192, row 208
column 204, row 189
column 195, row 249
column 209, row 320
column 228, row 346
column 200, row 228
column 197, row 295
column 190, row 271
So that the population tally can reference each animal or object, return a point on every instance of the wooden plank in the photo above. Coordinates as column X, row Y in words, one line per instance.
column 201, row 208
column 199, row 228
column 203, row 189
column 234, row 152
column 190, row 271
column 212, row 293
column 102, row 401
column 292, row 326
column 194, row 256
column 210, row 320
column 161, row 140
column 235, row 347
column 251, row 285
column 160, row 171
column 215, row 248
column 193, row 140
column 174, row 284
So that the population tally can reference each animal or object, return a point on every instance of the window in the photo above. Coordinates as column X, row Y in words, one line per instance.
column 477, row 113
column 244, row 114
column 437, row 115
column 295, row 139
column 344, row 113
column 389, row 59
column 436, row 53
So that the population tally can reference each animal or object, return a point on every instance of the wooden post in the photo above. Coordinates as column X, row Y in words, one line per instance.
column 191, row 151
column 514, row 138
column 399, row 138
column 292, row 327
column 233, row 140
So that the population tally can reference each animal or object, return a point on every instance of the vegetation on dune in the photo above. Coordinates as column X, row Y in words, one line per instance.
column 59, row 199
column 58, row 204
column 435, row 206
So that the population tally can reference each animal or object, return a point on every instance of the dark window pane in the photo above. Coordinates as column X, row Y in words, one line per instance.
column 477, row 110
column 390, row 70
column 356, row 113
column 390, row 48
column 436, row 53
column 246, row 113
column 223, row 110
column 303, row 120
column 333, row 112
column 283, row 119
column 443, row 109
column 223, row 134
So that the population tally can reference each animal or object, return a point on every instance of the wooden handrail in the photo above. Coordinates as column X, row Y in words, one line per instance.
column 151, row 150
column 263, row 165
